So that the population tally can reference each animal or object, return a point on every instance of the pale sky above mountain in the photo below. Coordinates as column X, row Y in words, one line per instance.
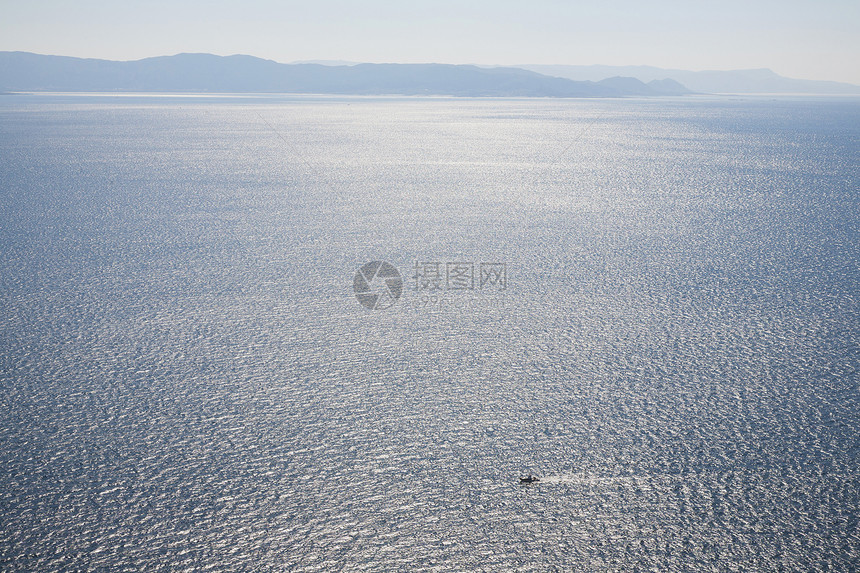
column 801, row 39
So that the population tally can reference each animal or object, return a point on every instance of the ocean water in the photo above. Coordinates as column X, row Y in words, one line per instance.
column 650, row 304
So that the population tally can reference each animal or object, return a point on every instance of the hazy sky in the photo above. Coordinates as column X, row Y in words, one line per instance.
column 810, row 39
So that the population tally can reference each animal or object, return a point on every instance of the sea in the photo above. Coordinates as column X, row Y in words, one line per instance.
column 311, row 333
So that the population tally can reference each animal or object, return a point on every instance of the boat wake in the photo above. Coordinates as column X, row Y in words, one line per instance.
column 593, row 480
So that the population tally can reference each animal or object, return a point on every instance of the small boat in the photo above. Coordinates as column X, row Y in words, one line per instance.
column 530, row 479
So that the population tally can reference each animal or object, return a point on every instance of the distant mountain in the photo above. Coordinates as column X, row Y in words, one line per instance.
column 668, row 86
column 633, row 86
column 22, row 71
column 735, row 81
column 326, row 62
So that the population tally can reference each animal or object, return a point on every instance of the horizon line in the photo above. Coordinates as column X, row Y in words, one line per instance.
column 348, row 63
